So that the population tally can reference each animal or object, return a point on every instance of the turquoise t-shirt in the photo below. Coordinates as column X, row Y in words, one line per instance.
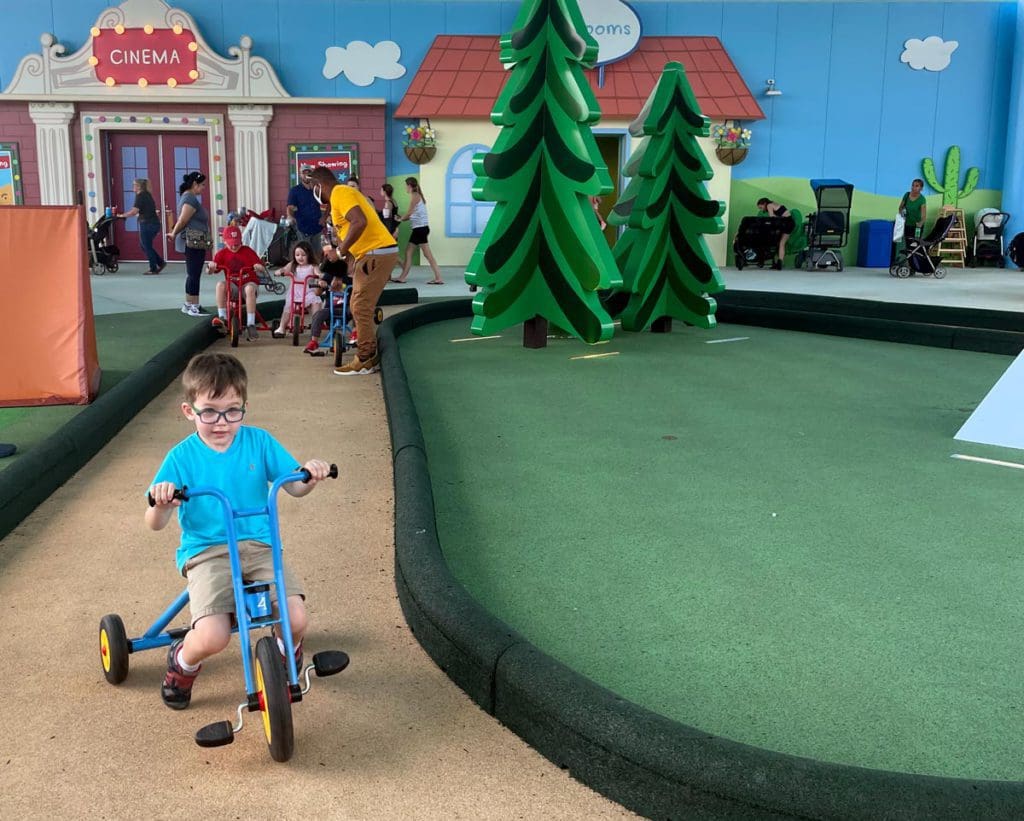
column 243, row 473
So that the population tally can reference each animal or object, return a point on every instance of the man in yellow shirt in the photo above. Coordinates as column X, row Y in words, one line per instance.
column 373, row 251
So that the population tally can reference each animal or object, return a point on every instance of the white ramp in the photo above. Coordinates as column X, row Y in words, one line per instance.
column 999, row 419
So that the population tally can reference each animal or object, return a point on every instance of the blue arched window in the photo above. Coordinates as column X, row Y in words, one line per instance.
column 466, row 216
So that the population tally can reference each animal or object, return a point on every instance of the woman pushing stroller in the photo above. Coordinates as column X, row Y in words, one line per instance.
column 788, row 225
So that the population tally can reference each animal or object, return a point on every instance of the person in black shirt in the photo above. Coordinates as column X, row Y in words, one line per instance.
column 335, row 278
column 787, row 224
column 149, row 224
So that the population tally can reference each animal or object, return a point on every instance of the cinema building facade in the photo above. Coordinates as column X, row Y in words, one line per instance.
column 145, row 96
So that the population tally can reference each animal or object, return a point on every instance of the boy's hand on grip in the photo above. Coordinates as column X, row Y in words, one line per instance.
column 162, row 495
column 318, row 469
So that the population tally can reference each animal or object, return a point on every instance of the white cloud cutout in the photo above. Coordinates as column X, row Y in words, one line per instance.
column 363, row 63
column 931, row 53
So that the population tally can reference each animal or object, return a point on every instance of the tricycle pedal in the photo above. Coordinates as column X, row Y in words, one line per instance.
column 215, row 735
column 329, row 662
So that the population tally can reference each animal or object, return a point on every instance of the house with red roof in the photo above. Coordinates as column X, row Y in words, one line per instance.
column 459, row 81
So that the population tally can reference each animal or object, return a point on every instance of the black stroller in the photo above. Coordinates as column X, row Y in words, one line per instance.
column 103, row 253
column 279, row 250
column 989, row 225
column 829, row 227
column 917, row 258
column 757, row 241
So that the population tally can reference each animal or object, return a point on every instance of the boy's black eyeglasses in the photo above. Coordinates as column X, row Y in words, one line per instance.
column 209, row 416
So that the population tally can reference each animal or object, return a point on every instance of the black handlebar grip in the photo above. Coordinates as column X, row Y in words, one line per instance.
column 333, row 473
column 178, row 494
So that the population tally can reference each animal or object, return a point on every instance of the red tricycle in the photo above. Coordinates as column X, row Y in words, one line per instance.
column 243, row 283
column 293, row 318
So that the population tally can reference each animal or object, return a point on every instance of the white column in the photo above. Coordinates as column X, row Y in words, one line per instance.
column 53, row 151
column 252, row 165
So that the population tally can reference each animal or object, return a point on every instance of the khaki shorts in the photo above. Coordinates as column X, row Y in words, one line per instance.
column 209, row 578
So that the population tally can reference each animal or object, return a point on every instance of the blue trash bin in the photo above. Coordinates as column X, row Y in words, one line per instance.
column 874, row 248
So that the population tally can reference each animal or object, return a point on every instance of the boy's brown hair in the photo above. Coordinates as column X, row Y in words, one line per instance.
column 214, row 374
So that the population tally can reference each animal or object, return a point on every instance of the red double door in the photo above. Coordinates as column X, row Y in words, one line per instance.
column 163, row 159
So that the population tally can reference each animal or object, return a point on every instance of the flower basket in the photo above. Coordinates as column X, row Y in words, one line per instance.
column 732, row 142
column 420, row 154
column 731, row 156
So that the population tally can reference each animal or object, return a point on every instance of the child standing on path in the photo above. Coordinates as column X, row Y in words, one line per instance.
column 241, row 462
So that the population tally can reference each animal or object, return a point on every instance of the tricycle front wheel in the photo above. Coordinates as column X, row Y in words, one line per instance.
column 113, row 649
column 275, row 702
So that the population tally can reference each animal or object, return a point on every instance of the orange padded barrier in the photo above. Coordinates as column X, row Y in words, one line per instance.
column 48, row 336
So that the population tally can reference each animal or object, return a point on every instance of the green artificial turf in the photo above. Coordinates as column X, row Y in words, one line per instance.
column 124, row 342
column 766, row 539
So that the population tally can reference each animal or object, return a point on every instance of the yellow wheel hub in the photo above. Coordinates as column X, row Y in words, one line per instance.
column 264, row 711
column 105, row 651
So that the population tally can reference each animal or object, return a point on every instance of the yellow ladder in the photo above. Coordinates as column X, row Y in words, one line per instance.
column 953, row 249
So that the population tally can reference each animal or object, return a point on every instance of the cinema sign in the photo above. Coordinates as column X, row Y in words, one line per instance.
column 144, row 56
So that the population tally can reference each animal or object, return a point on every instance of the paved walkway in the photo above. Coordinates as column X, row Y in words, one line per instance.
column 391, row 737
column 1000, row 289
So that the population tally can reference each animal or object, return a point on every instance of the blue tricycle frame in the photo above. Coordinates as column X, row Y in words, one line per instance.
column 269, row 692
column 339, row 329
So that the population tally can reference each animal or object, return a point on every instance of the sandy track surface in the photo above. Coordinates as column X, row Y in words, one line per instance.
column 391, row 737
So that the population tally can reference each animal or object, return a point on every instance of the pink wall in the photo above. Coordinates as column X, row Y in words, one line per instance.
column 16, row 126
column 362, row 124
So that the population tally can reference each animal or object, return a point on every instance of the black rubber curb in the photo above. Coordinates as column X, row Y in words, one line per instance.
column 652, row 765
column 969, row 329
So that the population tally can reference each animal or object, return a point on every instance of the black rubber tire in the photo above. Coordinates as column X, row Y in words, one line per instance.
column 272, row 685
column 338, row 345
column 112, row 267
column 296, row 330
column 234, row 330
column 280, row 288
column 378, row 315
column 115, row 641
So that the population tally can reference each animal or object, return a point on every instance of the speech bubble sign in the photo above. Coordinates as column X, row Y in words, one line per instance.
column 614, row 25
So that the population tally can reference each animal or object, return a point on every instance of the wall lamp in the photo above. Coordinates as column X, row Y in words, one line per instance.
column 770, row 90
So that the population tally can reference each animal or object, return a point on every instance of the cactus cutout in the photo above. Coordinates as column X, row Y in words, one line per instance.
column 951, row 177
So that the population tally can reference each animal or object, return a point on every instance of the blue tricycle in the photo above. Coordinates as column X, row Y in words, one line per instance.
column 341, row 326
column 276, row 683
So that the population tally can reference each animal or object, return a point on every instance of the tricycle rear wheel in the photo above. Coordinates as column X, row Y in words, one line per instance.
column 338, row 344
column 113, row 648
column 275, row 702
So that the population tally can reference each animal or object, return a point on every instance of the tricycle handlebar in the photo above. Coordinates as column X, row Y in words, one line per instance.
column 301, row 475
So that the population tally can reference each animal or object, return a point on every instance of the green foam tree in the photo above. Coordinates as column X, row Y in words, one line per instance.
column 950, row 190
column 542, row 253
column 664, row 260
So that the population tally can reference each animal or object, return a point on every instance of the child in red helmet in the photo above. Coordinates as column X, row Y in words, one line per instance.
column 233, row 258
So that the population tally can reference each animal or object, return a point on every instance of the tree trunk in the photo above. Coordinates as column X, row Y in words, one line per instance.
column 535, row 333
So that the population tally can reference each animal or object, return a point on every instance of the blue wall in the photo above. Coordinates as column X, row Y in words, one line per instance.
column 849, row 108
